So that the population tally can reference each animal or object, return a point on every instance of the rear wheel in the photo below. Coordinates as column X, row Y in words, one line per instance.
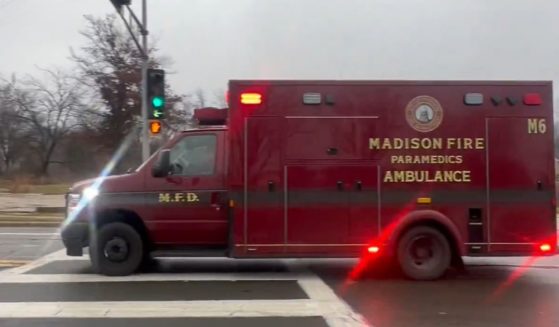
column 424, row 253
column 116, row 249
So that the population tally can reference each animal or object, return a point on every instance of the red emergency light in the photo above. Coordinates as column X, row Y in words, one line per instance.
column 532, row 99
column 545, row 247
column 373, row 249
column 251, row 98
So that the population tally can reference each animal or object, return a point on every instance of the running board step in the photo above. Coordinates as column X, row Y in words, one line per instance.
column 190, row 253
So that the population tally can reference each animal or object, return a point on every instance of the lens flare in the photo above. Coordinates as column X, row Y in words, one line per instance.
column 92, row 191
column 370, row 257
column 513, row 277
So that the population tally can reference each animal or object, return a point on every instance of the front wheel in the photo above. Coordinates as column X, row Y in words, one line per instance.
column 424, row 253
column 116, row 249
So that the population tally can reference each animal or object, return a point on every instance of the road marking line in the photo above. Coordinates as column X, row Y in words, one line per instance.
column 322, row 299
column 163, row 309
column 29, row 234
column 339, row 313
column 186, row 277
column 57, row 255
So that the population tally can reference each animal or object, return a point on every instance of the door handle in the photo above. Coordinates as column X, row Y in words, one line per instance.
column 340, row 185
column 358, row 185
column 174, row 179
column 215, row 201
column 271, row 186
column 539, row 185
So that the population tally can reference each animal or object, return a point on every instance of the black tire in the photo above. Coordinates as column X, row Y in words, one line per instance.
column 424, row 253
column 116, row 249
column 149, row 264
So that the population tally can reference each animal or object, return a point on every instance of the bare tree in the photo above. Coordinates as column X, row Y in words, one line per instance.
column 51, row 108
column 220, row 98
column 199, row 98
column 13, row 134
column 110, row 64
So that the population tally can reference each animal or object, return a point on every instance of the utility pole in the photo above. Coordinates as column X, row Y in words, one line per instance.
column 143, row 48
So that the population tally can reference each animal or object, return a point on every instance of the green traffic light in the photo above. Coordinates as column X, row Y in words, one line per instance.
column 157, row 102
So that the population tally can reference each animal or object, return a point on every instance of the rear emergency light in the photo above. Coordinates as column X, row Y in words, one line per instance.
column 545, row 248
column 532, row 99
column 251, row 98
column 373, row 249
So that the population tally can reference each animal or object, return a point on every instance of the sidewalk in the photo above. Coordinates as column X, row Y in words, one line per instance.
column 33, row 219
column 10, row 202
column 31, row 210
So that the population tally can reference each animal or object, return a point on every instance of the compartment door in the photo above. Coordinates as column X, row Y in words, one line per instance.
column 520, row 182
column 317, row 211
column 264, row 186
column 363, row 203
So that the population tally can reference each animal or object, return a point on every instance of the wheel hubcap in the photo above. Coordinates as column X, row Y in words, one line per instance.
column 116, row 249
column 423, row 251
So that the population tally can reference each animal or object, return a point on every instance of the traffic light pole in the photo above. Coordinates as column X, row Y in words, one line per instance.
column 143, row 48
column 145, row 64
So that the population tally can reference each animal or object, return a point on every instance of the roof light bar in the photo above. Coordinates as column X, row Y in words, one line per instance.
column 251, row 98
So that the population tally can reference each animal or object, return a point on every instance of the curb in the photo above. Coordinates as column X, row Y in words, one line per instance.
column 13, row 263
column 51, row 209
column 20, row 219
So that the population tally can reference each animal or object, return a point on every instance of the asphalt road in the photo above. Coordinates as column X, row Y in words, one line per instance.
column 27, row 243
column 55, row 291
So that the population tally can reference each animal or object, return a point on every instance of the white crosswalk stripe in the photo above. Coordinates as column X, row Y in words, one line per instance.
column 321, row 299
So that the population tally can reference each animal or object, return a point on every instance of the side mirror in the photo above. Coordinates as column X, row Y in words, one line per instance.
column 162, row 166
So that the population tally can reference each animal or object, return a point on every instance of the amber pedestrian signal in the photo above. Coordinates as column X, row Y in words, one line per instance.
column 155, row 127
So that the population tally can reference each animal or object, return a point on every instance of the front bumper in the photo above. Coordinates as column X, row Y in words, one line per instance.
column 75, row 238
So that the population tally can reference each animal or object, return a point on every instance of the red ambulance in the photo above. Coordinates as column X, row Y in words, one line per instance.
column 423, row 172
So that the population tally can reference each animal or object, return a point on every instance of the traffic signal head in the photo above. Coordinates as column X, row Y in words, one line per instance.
column 155, row 127
column 119, row 3
column 156, row 93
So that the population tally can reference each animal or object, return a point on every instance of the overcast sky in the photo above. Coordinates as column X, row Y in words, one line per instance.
column 212, row 41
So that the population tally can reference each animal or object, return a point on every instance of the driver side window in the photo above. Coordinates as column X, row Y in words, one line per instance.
column 194, row 156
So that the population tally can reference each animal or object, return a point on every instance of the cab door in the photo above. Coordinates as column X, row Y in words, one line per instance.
column 188, row 207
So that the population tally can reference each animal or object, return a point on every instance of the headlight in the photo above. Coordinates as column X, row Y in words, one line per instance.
column 89, row 193
column 72, row 202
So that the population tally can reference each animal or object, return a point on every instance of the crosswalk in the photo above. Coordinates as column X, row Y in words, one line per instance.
column 61, row 291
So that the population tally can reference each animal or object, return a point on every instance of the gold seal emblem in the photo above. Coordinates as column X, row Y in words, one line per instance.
column 424, row 113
